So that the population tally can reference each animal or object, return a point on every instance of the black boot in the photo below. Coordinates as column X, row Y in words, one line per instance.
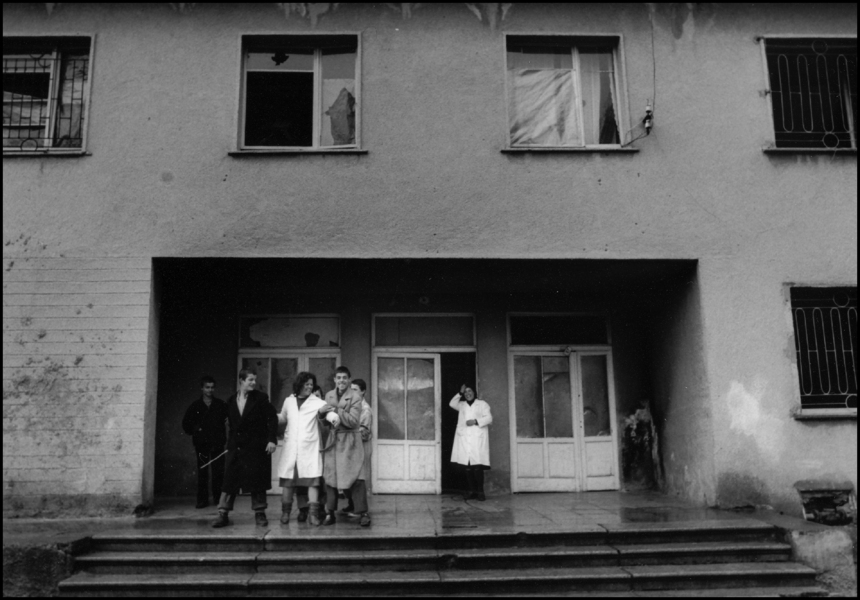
column 470, row 478
column 303, row 515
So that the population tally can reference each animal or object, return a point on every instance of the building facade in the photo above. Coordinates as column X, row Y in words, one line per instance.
column 633, row 227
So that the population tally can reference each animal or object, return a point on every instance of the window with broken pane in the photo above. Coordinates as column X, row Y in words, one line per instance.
column 562, row 91
column 300, row 92
column 44, row 93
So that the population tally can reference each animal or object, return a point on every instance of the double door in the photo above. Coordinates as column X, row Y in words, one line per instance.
column 563, row 436
column 276, row 371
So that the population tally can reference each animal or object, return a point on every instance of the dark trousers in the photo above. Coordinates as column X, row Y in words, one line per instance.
column 217, row 467
column 357, row 493
column 258, row 502
column 475, row 477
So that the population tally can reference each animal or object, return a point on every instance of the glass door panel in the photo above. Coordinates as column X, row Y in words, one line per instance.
column 420, row 399
column 391, row 415
column 600, row 449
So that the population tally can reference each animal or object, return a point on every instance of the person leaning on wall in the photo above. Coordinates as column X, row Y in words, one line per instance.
column 472, row 440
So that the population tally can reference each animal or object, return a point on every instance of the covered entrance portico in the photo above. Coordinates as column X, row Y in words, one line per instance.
column 563, row 351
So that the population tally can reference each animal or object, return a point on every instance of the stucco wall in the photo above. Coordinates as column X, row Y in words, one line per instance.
column 75, row 342
column 159, row 182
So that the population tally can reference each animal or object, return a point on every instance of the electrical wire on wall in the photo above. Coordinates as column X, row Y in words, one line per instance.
column 647, row 121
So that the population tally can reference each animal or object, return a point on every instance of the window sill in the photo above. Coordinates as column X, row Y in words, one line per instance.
column 809, row 150
column 824, row 414
column 294, row 152
column 561, row 149
column 51, row 153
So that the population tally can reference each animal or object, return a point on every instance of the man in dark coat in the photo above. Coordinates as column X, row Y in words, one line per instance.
column 206, row 422
column 252, row 440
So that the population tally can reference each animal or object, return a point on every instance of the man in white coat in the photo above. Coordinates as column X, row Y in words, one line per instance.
column 472, row 441
column 301, row 463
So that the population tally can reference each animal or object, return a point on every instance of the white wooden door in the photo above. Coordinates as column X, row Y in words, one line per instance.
column 406, row 424
column 276, row 371
column 563, row 433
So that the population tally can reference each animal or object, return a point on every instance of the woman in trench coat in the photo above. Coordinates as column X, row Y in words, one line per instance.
column 301, row 463
column 472, row 441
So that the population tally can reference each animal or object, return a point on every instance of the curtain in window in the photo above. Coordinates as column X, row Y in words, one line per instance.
column 542, row 108
column 599, row 98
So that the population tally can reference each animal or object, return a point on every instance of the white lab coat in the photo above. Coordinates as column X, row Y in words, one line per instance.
column 472, row 444
column 302, row 443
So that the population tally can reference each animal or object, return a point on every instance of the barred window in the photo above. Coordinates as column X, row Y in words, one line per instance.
column 44, row 93
column 825, row 332
column 813, row 87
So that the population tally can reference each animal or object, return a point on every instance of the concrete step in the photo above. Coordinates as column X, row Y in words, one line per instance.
column 521, row 581
column 330, row 540
column 416, row 560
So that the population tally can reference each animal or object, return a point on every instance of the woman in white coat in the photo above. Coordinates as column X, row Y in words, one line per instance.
column 472, row 441
column 301, row 462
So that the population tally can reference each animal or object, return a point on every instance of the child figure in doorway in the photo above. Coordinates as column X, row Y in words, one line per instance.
column 472, row 440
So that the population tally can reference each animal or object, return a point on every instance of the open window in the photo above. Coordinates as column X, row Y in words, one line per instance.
column 563, row 92
column 44, row 93
column 300, row 92
column 813, row 89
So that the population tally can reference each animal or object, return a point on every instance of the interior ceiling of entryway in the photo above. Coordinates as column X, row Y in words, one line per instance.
column 436, row 276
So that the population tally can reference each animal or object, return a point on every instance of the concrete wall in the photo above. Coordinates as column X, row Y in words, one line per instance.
column 159, row 182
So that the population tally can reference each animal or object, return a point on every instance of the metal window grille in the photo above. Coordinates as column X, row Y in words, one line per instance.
column 825, row 332
column 44, row 99
column 813, row 87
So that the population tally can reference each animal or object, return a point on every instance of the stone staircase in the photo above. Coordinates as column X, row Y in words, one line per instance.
column 713, row 558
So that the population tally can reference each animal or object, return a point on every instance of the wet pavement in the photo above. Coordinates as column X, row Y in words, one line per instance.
column 397, row 515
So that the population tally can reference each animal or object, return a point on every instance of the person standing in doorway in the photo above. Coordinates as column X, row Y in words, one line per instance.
column 206, row 422
column 251, row 442
column 344, row 451
column 472, row 440
column 301, row 463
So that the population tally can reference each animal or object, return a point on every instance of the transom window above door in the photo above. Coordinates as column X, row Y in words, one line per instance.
column 563, row 91
column 299, row 91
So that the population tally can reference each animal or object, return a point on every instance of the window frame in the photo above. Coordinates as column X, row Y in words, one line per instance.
column 798, row 412
column 576, row 40
column 768, row 96
column 56, row 43
column 240, row 148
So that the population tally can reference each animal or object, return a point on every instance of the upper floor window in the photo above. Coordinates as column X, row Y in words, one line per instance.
column 563, row 91
column 300, row 91
column 44, row 93
column 825, row 333
column 813, row 88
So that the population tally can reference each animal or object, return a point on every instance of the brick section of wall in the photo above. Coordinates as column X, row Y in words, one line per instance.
column 75, row 335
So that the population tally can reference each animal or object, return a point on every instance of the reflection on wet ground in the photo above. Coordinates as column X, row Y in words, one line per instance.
column 400, row 515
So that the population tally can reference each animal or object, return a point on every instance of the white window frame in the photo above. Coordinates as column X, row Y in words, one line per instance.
column 762, row 40
column 55, row 41
column 613, row 39
column 245, row 39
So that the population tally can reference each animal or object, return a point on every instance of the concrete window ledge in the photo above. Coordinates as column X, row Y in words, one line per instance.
column 586, row 150
column 51, row 154
column 295, row 152
column 824, row 414
column 848, row 151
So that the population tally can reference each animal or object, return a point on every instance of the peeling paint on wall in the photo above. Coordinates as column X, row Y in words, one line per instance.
column 745, row 411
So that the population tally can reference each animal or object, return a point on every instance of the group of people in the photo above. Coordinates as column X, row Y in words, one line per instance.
column 327, row 446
